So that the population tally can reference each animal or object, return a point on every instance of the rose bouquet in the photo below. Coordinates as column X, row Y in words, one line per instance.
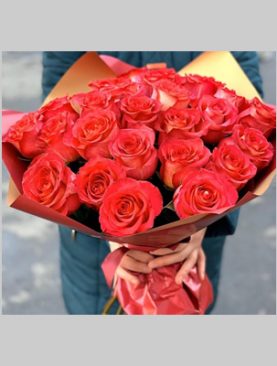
column 145, row 159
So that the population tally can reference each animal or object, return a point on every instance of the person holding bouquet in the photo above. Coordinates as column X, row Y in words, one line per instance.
column 84, row 287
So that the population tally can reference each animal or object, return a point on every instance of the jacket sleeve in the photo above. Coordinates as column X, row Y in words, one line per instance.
column 225, row 226
column 55, row 64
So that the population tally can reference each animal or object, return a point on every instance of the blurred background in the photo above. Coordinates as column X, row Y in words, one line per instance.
column 30, row 246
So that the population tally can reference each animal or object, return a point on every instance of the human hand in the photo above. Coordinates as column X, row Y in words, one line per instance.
column 133, row 261
column 190, row 254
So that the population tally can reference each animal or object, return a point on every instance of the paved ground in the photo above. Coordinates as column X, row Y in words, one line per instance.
column 31, row 283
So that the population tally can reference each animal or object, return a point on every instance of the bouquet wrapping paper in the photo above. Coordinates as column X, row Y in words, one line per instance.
column 158, row 293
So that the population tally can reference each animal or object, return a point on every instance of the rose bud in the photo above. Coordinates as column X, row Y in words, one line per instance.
column 221, row 116
column 130, row 206
column 134, row 150
column 228, row 159
column 139, row 111
column 24, row 135
column 176, row 154
column 53, row 134
column 94, row 178
column 260, row 116
column 203, row 191
column 92, row 133
column 254, row 144
column 184, row 123
column 51, row 183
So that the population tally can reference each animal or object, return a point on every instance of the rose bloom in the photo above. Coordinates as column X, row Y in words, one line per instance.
column 239, row 102
column 197, row 86
column 176, row 154
column 94, row 178
column 114, row 87
column 151, row 76
column 137, row 89
column 92, row 133
column 260, row 116
column 90, row 101
column 228, row 159
column 135, row 75
column 139, row 111
column 134, row 149
column 135, row 84
column 185, row 122
column 130, row 206
column 108, row 85
column 58, row 105
column 24, row 135
column 169, row 93
column 51, row 183
column 254, row 144
column 221, row 116
column 203, row 191
column 53, row 134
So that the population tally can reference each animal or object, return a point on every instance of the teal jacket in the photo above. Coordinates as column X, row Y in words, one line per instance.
column 55, row 64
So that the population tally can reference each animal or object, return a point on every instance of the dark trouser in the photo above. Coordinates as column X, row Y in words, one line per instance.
column 83, row 284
